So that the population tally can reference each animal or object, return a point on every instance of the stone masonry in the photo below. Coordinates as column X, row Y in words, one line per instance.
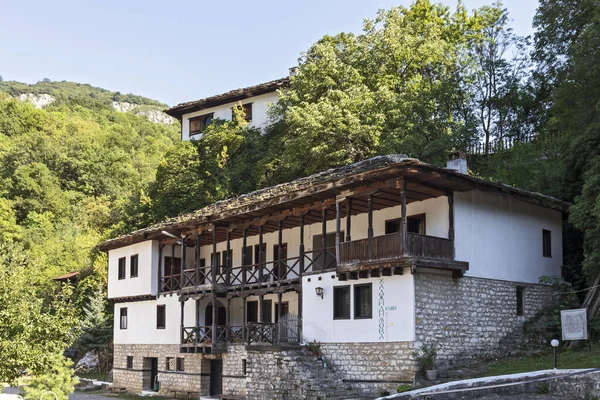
column 472, row 318
column 234, row 380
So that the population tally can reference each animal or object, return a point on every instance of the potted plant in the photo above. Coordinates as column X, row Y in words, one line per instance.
column 425, row 356
column 314, row 347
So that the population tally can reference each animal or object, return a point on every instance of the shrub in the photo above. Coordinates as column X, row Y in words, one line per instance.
column 425, row 357
column 405, row 387
column 60, row 379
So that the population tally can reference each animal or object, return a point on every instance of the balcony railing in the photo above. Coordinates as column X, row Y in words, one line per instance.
column 389, row 247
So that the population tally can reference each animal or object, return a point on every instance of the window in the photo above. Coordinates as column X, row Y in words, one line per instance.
column 244, row 367
column 180, row 365
column 257, row 253
column 161, row 313
column 123, row 317
column 122, row 262
column 547, row 243
column 520, row 303
column 172, row 266
column 133, row 266
column 247, row 111
column 170, row 364
column 252, row 311
column 363, row 301
column 248, row 253
column 129, row 362
column 318, row 258
column 414, row 224
column 341, row 302
column 267, row 311
column 227, row 260
column 199, row 124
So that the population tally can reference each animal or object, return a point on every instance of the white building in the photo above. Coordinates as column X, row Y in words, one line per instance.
column 370, row 260
column 195, row 116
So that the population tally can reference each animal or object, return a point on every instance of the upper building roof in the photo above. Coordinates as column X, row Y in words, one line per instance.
column 228, row 97
column 295, row 197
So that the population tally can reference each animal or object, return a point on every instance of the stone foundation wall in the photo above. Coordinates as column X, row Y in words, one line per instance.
column 469, row 318
column 234, row 380
column 194, row 378
column 372, row 366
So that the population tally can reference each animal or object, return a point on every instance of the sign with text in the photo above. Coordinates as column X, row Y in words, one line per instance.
column 574, row 324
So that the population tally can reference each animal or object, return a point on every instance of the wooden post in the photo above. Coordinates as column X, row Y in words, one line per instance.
column 403, row 225
column 215, row 314
column 214, row 257
column 280, row 254
column 244, row 319
column 172, row 285
column 300, row 314
column 182, row 319
column 451, row 220
column 261, row 298
column 260, row 253
column 324, row 238
column 348, row 220
column 338, row 228
column 301, row 245
column 244, row 261
column 228, row 320
column 160, row 273
column 228, row 264
column 183, row 260
column 197, row 260
column 370, row 229
column 279, row 311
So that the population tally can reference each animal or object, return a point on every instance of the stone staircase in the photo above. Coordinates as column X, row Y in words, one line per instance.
column 295, row 374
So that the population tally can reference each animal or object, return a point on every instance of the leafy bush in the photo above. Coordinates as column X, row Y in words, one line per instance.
column 405, row 387
column 425, row 357
column 60, row 379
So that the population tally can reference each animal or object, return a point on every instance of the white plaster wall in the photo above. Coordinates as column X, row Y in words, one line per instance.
column 501, row 237
column 398, row 308
column 146, row 281
column 260, row 106
column 141, row 322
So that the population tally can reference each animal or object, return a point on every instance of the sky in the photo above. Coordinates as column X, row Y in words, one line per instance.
column 181, row 50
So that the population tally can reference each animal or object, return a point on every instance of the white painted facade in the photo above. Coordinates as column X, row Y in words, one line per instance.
column 260, row 107
column 146, row 283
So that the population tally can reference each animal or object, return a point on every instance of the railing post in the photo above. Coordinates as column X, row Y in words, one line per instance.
column 183, row 261
column 244, row 261
column 261, row 317
column 279, row 315
column 228, row 321
column 280, row 254
column 214, row 256
column 299, row 315
column 182, row 319
column 348, row 220
column 451, row 220
column 215, row 309
column 301, row 245
column 160, row 273
column 324, row 238
column 260, row 253
column 172, row 285
column 403, row 225
column 370, row 228
column 197, row 260
column 228, row 264
column 244, row 320
column 338, row 228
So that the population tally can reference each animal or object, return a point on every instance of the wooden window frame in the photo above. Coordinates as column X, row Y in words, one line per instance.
column 168, row 362
column 161, row 313
column 422, row 216
column 123, row 318
column 122, row 268
column 520, row 293
column 246, row 107
column 129, row 362
column 547, row 243
column 180, row 364
column 357, row 291
column 337, row 289
column 133, row 272
column 202, row 127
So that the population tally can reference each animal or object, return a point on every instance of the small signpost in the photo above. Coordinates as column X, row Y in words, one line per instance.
column 574, row 324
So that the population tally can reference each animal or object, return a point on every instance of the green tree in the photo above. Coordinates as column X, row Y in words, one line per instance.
column 58, row 378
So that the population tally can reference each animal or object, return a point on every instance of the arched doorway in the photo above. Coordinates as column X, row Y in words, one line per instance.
column 221, row 314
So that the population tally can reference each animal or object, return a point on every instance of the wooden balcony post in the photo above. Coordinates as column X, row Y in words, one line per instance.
column 299, row 314
column 197, row 260
column 215, row 314
column 403, row 227
column 451, row 220
column 183, row 260
column 348, row 220
column 260, row 253
column 228, row 320
column 280, row 253
column 370, row 228
column 244, row 318
column 182, row 319
column 301, row 245
column 324, row 238
column 172, row 285
column 160, row 273
column 338, row 228
column 261, row 299
column 228, row 263
column 244, row 261
column 279, row 307
column 214, row 256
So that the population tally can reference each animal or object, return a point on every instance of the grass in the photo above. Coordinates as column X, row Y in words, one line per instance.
column 579, row 357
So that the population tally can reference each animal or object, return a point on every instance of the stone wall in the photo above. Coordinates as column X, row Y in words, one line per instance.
column 369, row 367
column 234, row 379
column 469, row 318
column 194, row 378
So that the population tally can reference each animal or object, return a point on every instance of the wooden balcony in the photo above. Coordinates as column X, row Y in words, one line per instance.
column 389, row 251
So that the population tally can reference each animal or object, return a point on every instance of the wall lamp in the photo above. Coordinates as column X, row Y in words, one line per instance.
column 319, row 291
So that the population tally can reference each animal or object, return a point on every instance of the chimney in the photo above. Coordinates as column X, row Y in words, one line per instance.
column 457, row 162
column 293, row 71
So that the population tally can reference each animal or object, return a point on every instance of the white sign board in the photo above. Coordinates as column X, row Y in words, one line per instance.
column 574, row 324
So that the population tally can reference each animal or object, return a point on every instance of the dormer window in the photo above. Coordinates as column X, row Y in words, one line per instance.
column 247, row 111
column 199, row 124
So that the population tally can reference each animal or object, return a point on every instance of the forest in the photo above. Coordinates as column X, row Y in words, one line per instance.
column 423, row 80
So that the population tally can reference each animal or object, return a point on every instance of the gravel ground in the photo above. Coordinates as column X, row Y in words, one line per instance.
column 73, row 396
